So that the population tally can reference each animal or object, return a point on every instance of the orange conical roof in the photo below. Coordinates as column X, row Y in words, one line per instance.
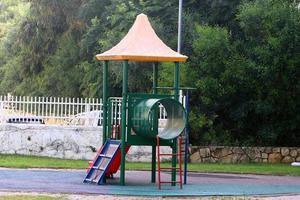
column 141, row 44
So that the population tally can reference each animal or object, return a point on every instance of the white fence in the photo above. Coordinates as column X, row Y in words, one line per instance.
column 61, row 110
column 50, row 110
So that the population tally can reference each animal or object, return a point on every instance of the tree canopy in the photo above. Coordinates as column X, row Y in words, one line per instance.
column 244, row 58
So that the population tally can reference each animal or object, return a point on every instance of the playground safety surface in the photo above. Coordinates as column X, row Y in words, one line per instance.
column 138, row 183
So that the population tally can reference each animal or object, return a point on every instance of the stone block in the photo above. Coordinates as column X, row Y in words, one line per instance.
column 216, row 153
column 257, row 155
column 275, row 158
column 237, row 150
column 204, row 152
column 293, row 153
column 244, row 159
column 261, row 149
column 298, row 159
column 206, row 160
column 252, row 153
column 70, row 154
column 212, row 148
column 212, row 160
column 143, row 153
column 264, row 155
column 227, row 159
column 235, row 158
column 264, row 160
column 285, row 151
column 194, row 149
column 221, row 152
column 226, row 151
column 257, row 160
column 276, row 150
column 216, row 160
column 11, row 151
column 288, row 159
column 195, row 157
column 268, row 149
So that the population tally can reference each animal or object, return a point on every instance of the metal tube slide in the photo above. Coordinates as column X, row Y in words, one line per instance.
column 144, row 121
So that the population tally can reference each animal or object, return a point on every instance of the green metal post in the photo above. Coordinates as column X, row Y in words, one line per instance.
column 174, row 146
column 176, row 81
column 123, row 121
column 105, row 95
column 155, row 78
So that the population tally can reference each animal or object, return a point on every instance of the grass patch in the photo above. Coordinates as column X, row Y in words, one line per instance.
column 30, row 197
column 20, row 161
column 251, row 168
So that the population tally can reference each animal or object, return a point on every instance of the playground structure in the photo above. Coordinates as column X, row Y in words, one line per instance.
column 139, row 113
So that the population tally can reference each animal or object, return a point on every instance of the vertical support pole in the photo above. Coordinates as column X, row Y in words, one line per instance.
column 153, row 167
column 176, row 81
column 174, row 145
column 123, row 121
column 158, row 161
column 179, row 26
column 155, row 78
column 187, row 132
column 180, row 160
column 105, row 95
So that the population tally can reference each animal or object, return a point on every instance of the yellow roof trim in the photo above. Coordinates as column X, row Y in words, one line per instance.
column 142, row 58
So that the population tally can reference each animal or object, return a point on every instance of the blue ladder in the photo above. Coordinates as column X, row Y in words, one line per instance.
column 97, row 172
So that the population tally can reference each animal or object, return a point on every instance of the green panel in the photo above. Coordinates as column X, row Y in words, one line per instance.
column 143, row 121
column 143, row 118
column 138, row 140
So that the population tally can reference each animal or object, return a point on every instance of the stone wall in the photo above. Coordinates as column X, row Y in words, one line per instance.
column 221, row 154
column 61, row 142
column 52, row 141
column 83, row 142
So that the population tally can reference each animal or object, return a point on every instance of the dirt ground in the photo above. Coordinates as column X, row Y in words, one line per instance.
column 119, row 197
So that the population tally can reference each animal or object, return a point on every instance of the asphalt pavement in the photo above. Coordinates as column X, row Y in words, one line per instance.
column 138, row 184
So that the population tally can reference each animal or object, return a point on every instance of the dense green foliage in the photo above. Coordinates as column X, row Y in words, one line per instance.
column 244, row 58
column 248, row 81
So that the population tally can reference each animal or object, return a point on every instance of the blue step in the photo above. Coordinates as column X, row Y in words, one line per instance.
column 97, row 172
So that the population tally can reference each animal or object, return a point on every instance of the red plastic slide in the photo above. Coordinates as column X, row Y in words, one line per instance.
column 114, row 166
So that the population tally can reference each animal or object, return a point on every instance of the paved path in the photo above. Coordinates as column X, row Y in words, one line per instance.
column 138, row 183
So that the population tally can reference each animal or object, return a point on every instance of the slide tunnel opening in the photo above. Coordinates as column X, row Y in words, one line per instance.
column 145, row 119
